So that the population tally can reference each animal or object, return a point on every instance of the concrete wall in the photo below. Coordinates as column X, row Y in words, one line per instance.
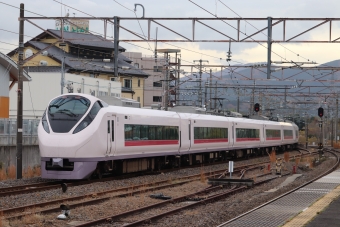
column 30, row 156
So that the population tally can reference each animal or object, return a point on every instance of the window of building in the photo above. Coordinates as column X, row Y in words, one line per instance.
column 127, row 83
column 157, row 98
column 136, row 65
column 92, row 75
column 138, row 99
column 138, row 82
column 157, row 68
column 157, row 84
column 112, row 78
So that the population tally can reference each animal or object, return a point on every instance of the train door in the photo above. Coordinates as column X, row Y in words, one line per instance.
column 233, row 136
column 111, row 132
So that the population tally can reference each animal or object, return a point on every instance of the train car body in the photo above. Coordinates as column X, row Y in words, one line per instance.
column 80, row 135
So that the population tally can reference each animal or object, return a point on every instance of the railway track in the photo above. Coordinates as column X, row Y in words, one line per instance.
column 50, row 206
column 123, row 192
column 332, row 168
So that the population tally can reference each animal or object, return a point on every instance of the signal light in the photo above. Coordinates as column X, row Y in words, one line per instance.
column 257, row 107
column 320, row 112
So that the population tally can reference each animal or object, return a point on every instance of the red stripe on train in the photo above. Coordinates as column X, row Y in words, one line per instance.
column 247, row 139
column 150, row 142
column 274, row 138
column 210, row 140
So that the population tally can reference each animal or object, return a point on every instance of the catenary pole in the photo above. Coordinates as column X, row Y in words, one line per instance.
column 20, row 93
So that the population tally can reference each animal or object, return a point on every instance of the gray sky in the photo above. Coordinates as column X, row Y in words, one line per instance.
column 242, row 52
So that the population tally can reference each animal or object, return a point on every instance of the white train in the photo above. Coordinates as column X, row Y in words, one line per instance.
column 80, row 135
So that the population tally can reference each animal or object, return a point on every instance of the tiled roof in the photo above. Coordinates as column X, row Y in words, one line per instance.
column 72, row 61
column 85, row 39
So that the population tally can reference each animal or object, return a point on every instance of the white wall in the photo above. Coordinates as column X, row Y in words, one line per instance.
column 45, row 86
column 4, row 78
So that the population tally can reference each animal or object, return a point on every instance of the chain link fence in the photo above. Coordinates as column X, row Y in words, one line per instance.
column 8, row 131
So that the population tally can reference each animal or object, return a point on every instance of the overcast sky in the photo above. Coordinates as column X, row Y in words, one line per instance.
column 242, row 52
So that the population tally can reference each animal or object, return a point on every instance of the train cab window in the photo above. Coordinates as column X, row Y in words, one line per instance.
column 89, row 117
column 65, row 112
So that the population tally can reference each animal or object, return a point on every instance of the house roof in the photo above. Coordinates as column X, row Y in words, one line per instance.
column 12, row 67
column 83, row 39
column 72, row 62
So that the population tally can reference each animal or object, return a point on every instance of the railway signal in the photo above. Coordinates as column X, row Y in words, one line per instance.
column 257, row 107
column 320, row 112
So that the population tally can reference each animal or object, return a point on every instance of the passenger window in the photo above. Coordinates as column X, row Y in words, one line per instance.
column 108, row 126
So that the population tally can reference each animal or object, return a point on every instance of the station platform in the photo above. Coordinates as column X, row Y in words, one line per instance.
column 316, row 204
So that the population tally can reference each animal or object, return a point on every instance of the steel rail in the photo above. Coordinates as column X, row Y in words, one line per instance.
column 179, row 199
column 186, row 179
column 287, row 193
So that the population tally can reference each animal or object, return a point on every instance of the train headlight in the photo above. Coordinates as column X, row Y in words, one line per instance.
column 44, row 123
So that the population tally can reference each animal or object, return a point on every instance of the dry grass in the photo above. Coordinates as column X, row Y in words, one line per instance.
column 297, row 161
column 203, row 177
column 11, row 172
column 3, row 175
column 37, row 170
column 1, row 218
column 286, row 156
column 311, row 162
column 31, row 219
column 336, row 145
column 28, row 173
column 272, row 156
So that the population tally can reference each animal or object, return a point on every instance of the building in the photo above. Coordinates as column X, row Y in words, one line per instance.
column 46, row 85
column 154, row 85
column 8, row 77
column 82, row 54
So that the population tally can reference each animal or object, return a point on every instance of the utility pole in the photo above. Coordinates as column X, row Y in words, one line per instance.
column 210, row 90
column 20, row 93
column 166, row 95
column 269, row 47
column 116, row 44
column 238, row 100
column 215, row 100
column 336, row 121
column 200, row 89
column 205, row 93
column 306, row 129
column 62, row 75
column 177, row 84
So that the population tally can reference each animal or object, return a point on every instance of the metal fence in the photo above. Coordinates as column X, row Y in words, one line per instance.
column 8, row 128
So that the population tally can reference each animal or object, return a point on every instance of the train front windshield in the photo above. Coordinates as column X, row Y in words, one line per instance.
column 64, row 112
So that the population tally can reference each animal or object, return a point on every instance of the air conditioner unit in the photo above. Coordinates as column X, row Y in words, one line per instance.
column 43, row 63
